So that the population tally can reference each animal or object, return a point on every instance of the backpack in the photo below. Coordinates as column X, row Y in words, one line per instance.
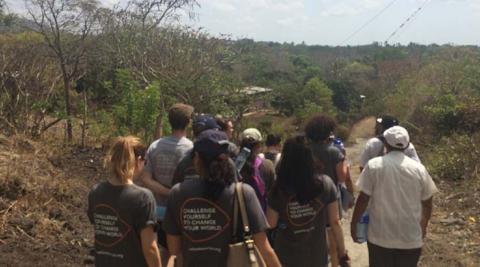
column 257, row 183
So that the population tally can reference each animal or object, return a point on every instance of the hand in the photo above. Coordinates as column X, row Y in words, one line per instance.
column 344, row 260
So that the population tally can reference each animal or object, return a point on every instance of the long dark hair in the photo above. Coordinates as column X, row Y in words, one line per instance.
column 296, row 171
column 218, row 172
column 248, row 169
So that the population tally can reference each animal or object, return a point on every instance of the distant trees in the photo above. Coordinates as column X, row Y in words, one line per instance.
column 6, row 19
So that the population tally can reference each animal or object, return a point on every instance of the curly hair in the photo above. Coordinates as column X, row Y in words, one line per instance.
column 320, row 127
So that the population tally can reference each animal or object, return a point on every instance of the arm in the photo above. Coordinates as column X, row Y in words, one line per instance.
column 266, row 250
column 341, row 170
column 350, row 188
column 348, row 181
column 334, row 220
column 174, row 243
column 427, row 206
column 360, row 208
column 156, row 187
column 149, row 247
column 272, row 217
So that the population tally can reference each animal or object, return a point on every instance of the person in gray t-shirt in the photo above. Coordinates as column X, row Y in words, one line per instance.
column 300, row 205
column 375, row 147
column 199, row 218
column 122, row 213
column 164, row 155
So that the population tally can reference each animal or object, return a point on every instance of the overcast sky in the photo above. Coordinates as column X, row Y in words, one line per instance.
column 331, row 22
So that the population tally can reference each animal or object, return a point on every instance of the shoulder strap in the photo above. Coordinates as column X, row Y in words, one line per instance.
column 235, row 215
column 243, row 210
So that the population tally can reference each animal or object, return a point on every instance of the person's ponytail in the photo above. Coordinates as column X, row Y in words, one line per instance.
column 121, row 158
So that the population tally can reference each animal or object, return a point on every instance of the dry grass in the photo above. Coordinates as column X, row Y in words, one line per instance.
column 43, row 201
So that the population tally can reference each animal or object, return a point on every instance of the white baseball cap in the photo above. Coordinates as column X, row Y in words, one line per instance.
column 397, row 137
column 253, row 134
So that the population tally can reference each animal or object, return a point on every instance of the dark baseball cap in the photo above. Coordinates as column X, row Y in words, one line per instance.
column 204, row 122
column 387, row 121
column 211, row 143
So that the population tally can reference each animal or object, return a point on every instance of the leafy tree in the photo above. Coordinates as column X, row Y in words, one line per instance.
column 318, row 93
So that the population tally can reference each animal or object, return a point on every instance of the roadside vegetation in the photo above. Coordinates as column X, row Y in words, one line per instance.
column 73, row 74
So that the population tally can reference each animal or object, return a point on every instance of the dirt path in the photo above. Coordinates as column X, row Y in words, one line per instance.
column 361, row 131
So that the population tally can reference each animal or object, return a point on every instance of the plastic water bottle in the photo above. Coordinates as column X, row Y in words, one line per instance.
column 362, row 228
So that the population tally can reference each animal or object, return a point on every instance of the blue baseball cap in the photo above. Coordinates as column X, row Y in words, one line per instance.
column 204, row 122
column 210, row 144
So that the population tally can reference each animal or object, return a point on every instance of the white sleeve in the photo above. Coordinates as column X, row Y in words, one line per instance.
column 428, row 185
column 411, row 152
column 366, row 181
column 368, row 152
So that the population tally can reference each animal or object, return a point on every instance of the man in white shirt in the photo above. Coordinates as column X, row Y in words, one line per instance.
column 375, row 146
column 398, row 191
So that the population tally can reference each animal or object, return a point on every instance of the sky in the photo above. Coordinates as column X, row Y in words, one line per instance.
column 334, row 22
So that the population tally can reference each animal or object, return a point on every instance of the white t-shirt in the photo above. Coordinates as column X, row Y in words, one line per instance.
column 375, row 148
column 397, row 185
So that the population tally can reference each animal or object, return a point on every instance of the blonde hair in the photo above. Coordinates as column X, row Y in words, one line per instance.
column 121, row 158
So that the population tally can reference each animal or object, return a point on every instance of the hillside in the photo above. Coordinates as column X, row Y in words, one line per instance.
column 43, row 191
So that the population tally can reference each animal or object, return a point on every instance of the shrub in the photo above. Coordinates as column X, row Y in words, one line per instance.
column 455, row 157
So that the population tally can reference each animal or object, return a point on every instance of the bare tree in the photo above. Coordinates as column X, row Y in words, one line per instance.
column 28, row 83
column 66, row 26
column 134, row 31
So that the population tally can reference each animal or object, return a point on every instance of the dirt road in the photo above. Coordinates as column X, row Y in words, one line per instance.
column 361, row 131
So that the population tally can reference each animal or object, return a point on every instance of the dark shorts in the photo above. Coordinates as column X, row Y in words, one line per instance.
column 161, row 235
column 388, row 257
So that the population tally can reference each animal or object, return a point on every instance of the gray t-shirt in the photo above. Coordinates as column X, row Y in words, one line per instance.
column 375, row 148
column 301, row 239
column 330, row 156
column 163, row 157
column 119, row 213
column 206, row 225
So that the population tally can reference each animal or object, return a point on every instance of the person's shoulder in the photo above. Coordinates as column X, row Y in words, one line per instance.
column 154, row 145
column 413, row 164
column 410, row 148
column 188, row 185
column 375, row 163
column 185, row 141
column 373, row 142
column 99, row 187
column 334, row 149
column 142, row 191
column 187, row 160
column 326, row 180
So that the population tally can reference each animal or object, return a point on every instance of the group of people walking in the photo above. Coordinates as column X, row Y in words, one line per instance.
column 180, row 201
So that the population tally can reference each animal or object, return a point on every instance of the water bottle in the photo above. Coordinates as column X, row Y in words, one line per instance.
column 362, row 228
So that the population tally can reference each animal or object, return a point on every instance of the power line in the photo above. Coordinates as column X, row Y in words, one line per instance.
column 368, row 22
column 410, row 18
